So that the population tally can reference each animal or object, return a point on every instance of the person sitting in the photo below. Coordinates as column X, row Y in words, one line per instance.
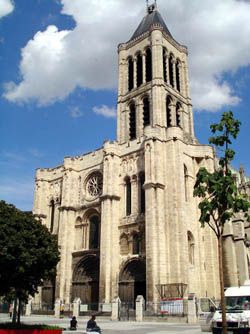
column 73, row 324
column 92, row 326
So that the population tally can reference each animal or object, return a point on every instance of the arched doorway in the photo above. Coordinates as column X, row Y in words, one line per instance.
column 85, row 281
column 132, row 280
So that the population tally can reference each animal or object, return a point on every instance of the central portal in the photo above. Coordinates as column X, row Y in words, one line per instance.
column 132, row 280
column 85, row 283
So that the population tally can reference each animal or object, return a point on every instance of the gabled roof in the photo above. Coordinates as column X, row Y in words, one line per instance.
column 153, row 17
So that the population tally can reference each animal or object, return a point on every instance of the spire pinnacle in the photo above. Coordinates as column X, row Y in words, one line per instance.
column 151, row 8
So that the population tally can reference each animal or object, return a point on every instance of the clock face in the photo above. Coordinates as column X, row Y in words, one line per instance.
column 94, row 185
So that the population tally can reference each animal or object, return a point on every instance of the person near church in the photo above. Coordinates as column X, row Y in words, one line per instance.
column 73, row 324
column 92, row 326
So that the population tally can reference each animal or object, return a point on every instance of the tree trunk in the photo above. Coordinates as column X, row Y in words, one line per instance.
column 222, row 294
column 14, row 309
column 19, row 311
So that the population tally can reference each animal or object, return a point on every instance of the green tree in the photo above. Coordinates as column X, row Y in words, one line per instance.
column 220, row 199
column 28, row 255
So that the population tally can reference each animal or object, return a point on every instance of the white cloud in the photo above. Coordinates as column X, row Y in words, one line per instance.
column 6, row 7
column 55, row 62
column 105, row 111
column 75, row 112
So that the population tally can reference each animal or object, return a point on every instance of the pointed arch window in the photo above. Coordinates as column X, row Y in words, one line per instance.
column 136, row 243
column 178, row 80
column 168, row 111
column 148, row 65
column 146, row 111
column 139, row 70
column 130, row 74
column 171, row 70
column 178, row 115
column 128, row 197
column 142, row 192
column 164, row 55
column 94, row 232
column 186, row 182
column 132, row 122
column 52, row 216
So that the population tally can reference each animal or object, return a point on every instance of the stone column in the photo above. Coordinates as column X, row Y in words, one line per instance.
column 174, row 73
column 57, row 307
column 76, row 307
column 109, row 250
column 167, row 69
column 192, row 314
column 115, row 314
column 135, row 72
column 28, row 307
column 140, row 305
column 134, row 191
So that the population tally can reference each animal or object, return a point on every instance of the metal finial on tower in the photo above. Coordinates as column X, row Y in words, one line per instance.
column 151, row 8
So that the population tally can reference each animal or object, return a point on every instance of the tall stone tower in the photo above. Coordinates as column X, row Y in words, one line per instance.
column 125, row 216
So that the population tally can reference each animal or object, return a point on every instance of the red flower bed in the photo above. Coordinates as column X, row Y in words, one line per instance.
column 30, row 331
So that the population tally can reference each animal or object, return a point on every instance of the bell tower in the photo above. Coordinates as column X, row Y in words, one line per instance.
column 153, row 82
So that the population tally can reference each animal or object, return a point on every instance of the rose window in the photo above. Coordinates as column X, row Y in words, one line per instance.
column 94, row 185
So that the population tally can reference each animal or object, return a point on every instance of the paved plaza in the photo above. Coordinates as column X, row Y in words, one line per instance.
column 115, row 327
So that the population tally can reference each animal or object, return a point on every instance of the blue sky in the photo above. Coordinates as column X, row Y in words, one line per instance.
column 58, row 65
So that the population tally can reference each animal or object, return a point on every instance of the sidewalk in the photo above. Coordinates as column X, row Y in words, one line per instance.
column 113, row 327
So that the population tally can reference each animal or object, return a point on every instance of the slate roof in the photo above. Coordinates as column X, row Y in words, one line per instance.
column 150, row 19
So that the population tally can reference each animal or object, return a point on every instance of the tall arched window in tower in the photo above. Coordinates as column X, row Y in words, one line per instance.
column 164, row 54
column 94, row 232
column 186, row 182
column 142, row 192
column 168, row 111
column 130, row 74
column 136, row 243
column 191, row 245
column 146, row 111
column 128, row 197
column 171, row 70
column 178, row 79
column 132, row 122
column 148, row 65
column 52, row 215
column 178, row 115
column 139, row 70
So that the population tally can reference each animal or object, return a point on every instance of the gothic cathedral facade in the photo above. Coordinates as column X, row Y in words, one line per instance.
column 125, row 216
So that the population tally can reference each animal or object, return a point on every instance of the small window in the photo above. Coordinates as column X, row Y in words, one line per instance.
column 136, row 244
column 146, row 112
column 190, row 247
column 148, row 65
column 168, row 111
column 128, row 197
column 94, row 227
column 177, row 71
column 130, row 74
column 171, row 70
column 132, row 122
column 142, row 192
column 178, row 115
column 186, row 182
column 139, row 70
column 164, row 55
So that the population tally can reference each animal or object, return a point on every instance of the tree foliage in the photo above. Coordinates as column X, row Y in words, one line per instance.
column 217, row 189
column 220, row 199
column 28, row 253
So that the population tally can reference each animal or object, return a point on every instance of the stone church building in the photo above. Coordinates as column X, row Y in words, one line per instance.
column 125, row 216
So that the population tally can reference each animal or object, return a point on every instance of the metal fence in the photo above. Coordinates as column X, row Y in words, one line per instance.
column 97, row 308
column 126, row 311
column 166, row 308
column 42, row 309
